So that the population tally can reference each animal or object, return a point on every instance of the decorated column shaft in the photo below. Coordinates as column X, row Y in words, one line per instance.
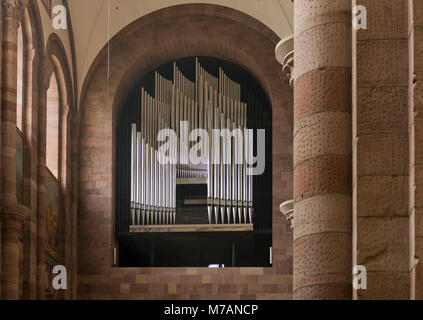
column 12, row 215
column 322, row 150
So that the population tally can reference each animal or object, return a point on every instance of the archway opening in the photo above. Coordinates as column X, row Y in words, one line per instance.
column 194, row 248
column 20, row 78
column 52, row 129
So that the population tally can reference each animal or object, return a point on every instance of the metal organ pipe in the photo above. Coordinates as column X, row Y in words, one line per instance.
column 133, row 169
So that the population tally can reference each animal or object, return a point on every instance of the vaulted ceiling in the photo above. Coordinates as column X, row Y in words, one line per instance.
column 96, row 21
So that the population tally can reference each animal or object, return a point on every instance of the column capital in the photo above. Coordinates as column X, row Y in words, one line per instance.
column 287, row 209
column 14, row 8
column 14, row 216
column 65, row 110
column 31, row 53
column 285, row 55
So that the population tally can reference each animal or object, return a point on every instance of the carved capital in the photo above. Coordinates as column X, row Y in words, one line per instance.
column 14, row 216
column 285, row 55
column 14, row 8
column 287, row 209
column 65, row 111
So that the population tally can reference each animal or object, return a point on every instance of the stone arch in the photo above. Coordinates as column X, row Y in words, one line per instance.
column 33, row 23
column 32, row 43
column 162, row 36
column 33, row 47
column 58, row 63
column 55, row 63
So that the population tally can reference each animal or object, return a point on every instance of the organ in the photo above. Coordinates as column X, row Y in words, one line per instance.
column 210, row 104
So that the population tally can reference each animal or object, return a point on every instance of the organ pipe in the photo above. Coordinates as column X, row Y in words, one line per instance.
column 209, row 103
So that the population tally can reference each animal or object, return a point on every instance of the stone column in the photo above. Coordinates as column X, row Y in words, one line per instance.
column 74, row 209
column 12, row 223
column 322, row 150
column 65, row 175
column 41, row 191
column 46, row 71
column 415, row 86
column 381, row 151
column 30, row 153
column 1, row 72
column 12, row 215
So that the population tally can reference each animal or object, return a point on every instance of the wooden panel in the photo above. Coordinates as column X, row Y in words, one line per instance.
column 191, row 181
column 195, row 202
column 193, row 228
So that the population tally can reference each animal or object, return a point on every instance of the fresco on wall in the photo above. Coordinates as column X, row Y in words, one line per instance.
column 52, row 215
column 19, row 168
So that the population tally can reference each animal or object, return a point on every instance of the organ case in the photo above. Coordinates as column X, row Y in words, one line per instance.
column 210, row 103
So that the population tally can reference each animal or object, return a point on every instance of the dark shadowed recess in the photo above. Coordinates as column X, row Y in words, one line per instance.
column 240, row 249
